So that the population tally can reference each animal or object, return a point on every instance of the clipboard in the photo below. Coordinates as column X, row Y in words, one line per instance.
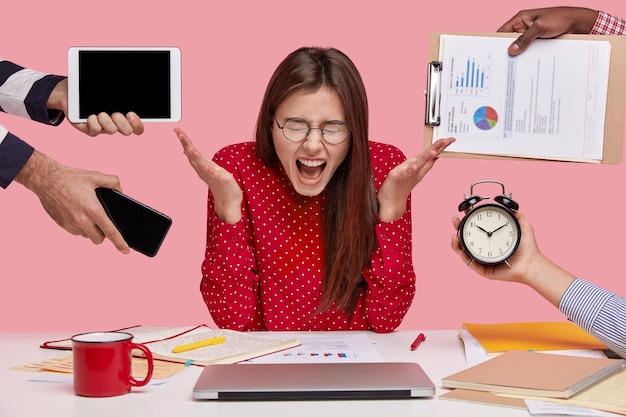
column 613, row 141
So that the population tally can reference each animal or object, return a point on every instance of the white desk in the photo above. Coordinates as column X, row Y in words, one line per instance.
column 440, row 355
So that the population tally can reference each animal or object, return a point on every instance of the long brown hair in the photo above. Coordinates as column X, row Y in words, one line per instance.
column 351, row 209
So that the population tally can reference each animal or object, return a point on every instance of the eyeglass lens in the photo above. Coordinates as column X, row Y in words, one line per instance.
column 297, row 130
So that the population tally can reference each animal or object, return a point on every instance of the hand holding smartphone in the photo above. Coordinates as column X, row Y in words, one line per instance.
column 142, row 227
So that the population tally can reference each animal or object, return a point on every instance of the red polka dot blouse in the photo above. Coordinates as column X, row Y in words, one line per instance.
column 265, row 272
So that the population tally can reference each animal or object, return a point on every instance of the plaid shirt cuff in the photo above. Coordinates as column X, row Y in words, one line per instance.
column 607, row 24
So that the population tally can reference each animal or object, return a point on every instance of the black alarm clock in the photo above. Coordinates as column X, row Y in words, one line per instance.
column 489, row 232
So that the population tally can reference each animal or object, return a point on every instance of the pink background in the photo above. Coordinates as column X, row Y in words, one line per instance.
column 52, row 280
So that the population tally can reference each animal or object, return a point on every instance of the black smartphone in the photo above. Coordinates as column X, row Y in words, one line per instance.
column 142, row 227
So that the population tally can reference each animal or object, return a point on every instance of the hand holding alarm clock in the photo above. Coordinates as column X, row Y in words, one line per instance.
column 489, row 233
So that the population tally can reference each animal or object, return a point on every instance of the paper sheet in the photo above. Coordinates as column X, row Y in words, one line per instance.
column 63, row 365
column 536, row 407
column 326, row 347
column 548, row 104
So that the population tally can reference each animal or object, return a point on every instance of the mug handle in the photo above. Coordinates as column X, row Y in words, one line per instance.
column 140, row 383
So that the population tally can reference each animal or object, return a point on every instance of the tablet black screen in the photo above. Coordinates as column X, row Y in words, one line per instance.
column 123, row 81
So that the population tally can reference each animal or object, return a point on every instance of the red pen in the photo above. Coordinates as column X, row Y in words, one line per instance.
column 420, row 338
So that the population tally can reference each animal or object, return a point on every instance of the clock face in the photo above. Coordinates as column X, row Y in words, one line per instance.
column 489, row 233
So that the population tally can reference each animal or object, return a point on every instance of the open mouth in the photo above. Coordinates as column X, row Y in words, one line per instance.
column 310, row 169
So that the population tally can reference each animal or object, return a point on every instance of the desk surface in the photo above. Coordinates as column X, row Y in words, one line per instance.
column 440, row 355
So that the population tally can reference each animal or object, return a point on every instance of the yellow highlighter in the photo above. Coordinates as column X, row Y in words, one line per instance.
column 201, row 343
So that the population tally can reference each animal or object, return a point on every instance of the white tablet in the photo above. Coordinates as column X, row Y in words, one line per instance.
column 146, row 80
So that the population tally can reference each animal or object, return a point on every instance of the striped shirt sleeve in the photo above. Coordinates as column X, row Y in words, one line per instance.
column 597, row 311
column 607, row 24
column 24, row 93
column 14, row 153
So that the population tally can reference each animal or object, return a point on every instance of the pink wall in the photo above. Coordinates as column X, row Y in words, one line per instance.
column 54, row 281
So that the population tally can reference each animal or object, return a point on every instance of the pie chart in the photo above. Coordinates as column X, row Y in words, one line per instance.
column 485, row 118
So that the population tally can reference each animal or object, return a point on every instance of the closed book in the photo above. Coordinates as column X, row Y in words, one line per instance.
column 535, row 374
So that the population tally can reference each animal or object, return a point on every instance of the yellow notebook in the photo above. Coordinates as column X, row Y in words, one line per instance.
column 496, row 338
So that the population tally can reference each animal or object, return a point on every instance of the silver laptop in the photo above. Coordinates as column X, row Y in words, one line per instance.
column 298, row 381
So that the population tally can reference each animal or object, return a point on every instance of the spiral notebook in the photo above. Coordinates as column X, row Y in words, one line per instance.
column 535, row 374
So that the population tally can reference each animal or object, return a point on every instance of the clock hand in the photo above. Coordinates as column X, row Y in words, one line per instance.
column 500, row 227
column 488, row 233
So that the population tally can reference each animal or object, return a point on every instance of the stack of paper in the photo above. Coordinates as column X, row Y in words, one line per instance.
column 485, row 342
column 589, row 382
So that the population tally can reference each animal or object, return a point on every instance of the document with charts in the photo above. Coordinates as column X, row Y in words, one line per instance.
column 548, row 102
column 325, row 347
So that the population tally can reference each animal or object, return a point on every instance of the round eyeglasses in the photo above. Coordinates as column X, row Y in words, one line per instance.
column 295, row 129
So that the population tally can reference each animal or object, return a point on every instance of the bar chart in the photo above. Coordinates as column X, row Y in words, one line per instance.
column 470, row 74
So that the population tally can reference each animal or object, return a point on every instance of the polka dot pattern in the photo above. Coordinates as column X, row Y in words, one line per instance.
column 265, row 272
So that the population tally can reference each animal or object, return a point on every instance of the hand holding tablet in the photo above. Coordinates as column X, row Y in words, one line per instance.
column 145, row 80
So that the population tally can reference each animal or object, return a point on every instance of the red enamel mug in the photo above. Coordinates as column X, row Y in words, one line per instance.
column 102, row 364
